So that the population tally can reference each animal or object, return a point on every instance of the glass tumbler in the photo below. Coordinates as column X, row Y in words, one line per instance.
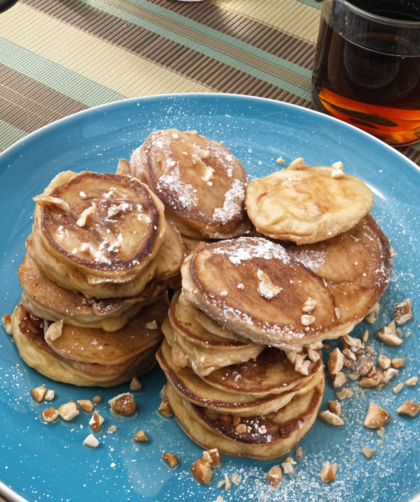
column 367, row 66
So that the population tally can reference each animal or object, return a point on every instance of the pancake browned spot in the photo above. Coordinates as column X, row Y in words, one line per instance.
column 199, row 391
column 265, row 439
column 49, row 301
column 200, row 182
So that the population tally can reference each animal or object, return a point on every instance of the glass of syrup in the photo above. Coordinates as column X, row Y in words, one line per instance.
column 367, row 66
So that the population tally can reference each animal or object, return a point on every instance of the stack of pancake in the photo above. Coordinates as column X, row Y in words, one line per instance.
column 243, row 339
column 100, row 251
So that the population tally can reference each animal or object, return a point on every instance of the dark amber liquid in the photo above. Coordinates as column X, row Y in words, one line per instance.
column 369, row 88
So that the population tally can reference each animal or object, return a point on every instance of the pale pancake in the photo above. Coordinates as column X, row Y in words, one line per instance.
column 306, row 204
column 198, row 391
column 49, row 301
column 200, row 182
column 38, row 355
column 268, row 439
column 205, row 360
column 113, row 245
column 96, row 346
column 211, row 276
column 207, row 323
column 165, row 265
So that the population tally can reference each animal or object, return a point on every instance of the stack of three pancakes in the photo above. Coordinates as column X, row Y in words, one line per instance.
column 244, row 368
column 100, row 251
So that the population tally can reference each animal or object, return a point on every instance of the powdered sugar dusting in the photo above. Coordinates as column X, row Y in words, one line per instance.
column 184, row 196
column 312, row 260
column 232, row 207
column 245, row 249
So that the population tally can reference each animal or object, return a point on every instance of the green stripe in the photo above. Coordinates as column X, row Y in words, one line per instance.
column 416, row 146
column 9, row 134
column 312, row 3
column 217, row 35
column 55, row 76
column 208, row 51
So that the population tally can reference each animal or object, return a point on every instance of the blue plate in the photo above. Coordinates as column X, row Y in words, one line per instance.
column 49, row 462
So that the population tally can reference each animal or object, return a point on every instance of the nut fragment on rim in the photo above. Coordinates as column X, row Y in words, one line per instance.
column 307, row 320
column 123, row 404
column 372, row 315
column 97, row 399
column 202, row 471
column 81, row 222
column 39, row 393
column 381, row 431
column 112, row 428
column 235, row 478
column 365, row 336
column 334, row 407
column 43, row 200
column 50, row 414
column 398, row 362
column 388, row 335
column 299, row 453
column 403, row 313
column 54, row 331
column 409, row 408
column 86, row 405
column 384, row 362
column 371, row 381
column 368, row 452
column 338, row 380
column 96, row 421
column 171, row 459
column 288, row 467
column 309, row 305
column 213, row 457
column 355, row 344
column 280, row 161
column 331, row 418
column 226, row 483
column 389, row 374
column 135, row 384
column 274, row 476
column 241, row 429
column 152, row 325
column 266, row 288
column 398, row 388
column 328, row 472
column 411, row 382
column 68, row 411
column 140, row 437
column 165, row 408
column 49, row 395
column 6, row 320
column 345, row 393
column 91, row 441
column 335, row 361
column 375, row 417
column 296, row 164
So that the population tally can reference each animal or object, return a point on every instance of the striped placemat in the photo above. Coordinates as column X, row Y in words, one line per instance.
column 58, row 57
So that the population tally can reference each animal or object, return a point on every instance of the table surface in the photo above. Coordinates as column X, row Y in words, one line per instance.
column 58, row 57
column 61, row 56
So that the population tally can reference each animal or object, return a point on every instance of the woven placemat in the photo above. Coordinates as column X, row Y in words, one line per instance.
column 61, row 56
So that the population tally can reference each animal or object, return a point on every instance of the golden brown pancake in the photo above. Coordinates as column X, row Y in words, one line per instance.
column 201, row 184
column 201, row 392
column 92, row 231
column 266, row 438
column 49, row 301
column 88, row 356
column 165, row 265
column 306, row 204
column 223, row 280
column 200, row 349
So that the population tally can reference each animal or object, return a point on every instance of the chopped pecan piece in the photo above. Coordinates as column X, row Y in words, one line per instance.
column 403, row 313
column 328, row 472
column 171, row 459
column 274, row 476
column 202, row 471
column 123, row 404
column 409, row 408
column 375, row 417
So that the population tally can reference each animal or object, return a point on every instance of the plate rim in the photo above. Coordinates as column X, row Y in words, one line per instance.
column 5, row 491
column 210, row 95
